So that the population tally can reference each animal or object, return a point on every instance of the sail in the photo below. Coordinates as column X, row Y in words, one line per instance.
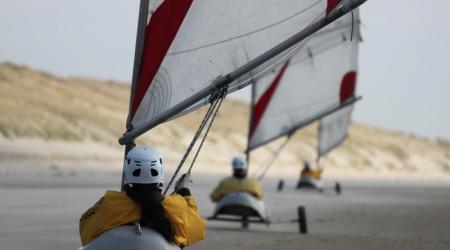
column 316, row 81
column 188, row 44
column 333, row 129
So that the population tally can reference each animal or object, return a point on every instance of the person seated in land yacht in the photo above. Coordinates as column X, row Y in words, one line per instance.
column 238, row 182
column 175, row 217
column 308, row 172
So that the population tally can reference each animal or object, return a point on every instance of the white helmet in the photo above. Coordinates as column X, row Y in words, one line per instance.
column 307, row 163
column 238, row 163
column 143, row 165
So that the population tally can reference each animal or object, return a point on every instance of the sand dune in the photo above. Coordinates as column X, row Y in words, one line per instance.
column 46, row 120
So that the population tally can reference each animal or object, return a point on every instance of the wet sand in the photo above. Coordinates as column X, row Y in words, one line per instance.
column 41, row 212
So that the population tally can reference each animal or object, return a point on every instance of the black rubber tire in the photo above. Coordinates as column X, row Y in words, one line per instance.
column 302, row 222
column 338, row 188
column 280, row 186
column 245, row 223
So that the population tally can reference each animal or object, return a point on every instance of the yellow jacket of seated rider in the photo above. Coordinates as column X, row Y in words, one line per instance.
column 116, row 209
column 316, row 174
column 233, row 184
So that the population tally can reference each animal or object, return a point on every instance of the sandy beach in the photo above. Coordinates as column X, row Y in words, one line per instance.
column 57, row 160
column 204, row 82
column 41, row 212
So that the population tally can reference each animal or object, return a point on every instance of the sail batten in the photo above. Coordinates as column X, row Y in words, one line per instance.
column 184, row 79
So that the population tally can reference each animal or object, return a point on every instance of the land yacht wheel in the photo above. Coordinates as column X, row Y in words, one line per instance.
column 280, row 186
column 338, row 188
column 302, row 223
column 245, row 223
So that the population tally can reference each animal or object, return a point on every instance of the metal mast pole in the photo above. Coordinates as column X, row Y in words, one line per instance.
column 140, row 40
column 250, row 124
column 227, row 79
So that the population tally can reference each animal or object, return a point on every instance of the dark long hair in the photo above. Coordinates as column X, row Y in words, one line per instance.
column 240, row 173
column 152, row 213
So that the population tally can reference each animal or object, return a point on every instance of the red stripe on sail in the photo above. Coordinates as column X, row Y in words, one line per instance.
column 331, row 5
column 160, row 33
column 348, row 85
column 260, row 107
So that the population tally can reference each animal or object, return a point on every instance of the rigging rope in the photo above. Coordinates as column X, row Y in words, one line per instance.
column 215, row 100
column 351, row 34
column 274, row 157
column 222, row 94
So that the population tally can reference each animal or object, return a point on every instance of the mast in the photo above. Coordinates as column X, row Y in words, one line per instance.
column 234, row 75
column 250, row 124
column 140, row 40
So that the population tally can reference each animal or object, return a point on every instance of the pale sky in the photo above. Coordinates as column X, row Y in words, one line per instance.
column 404, row 73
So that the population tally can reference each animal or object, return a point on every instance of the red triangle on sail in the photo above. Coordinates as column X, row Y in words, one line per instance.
column 260, row 107
column 160, row 33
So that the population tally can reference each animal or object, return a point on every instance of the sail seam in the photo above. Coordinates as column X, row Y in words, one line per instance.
column 246, row 34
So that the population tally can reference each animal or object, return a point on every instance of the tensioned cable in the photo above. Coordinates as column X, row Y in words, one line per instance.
column 214, row 102
column 222, row 94
column 274, row 157
column 193, row 141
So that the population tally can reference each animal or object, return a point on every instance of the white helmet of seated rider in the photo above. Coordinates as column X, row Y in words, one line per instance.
column 307, row 164
column 144, row 165
column 238, row 163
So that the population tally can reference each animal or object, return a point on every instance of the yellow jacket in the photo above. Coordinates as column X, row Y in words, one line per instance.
column 183, row 214
column 116, row 209
column 233, row 184
column 316, row 174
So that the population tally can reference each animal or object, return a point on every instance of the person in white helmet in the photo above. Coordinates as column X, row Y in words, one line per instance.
column 238, row 182
column 175, row 217
column 308, row 173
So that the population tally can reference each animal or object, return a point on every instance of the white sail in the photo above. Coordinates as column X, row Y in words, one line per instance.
column 333, row 129
column 314, row 82
column 188, row 44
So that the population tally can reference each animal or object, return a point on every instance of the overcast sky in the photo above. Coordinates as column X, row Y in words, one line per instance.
column 404, row 71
